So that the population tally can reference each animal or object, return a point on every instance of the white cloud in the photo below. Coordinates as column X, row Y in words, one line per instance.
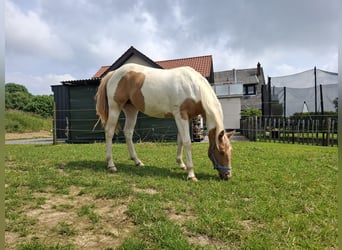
column 27, row 33
column 77, row 37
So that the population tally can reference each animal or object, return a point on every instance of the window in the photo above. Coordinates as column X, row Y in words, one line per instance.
column 249, row 89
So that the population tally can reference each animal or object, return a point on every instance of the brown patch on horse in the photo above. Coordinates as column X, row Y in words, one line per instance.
column 190, row 109
column 129, row 90
column 223, row 147
column 168, row 115
column 220, row 147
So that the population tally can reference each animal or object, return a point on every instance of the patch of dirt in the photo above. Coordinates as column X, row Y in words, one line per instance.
column 60, row 220
column 29, row 135
column 151, row 191
column 204, row 241
column 180, row 217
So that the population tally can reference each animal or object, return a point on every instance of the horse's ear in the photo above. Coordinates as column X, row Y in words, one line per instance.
column 221, row 134
column 230, row 134
column 219, row 140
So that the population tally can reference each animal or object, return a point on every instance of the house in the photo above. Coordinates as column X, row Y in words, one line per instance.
column 75, row 104
column 252, row 80
column 237, row 90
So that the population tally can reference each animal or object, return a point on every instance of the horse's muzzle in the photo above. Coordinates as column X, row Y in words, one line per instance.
column 225, row 175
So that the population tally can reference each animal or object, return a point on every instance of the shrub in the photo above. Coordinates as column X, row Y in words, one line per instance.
column 251, row 112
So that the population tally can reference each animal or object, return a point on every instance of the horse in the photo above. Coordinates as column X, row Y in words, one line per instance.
column 180, row 93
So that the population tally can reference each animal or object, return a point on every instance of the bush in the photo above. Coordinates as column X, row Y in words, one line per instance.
column 250, row 112
column 41, row 105
column 17, row 97
column 312, row 115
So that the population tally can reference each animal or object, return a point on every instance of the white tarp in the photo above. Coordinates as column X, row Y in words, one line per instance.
column 295, row 98
column 300, row 88
column 305, row 79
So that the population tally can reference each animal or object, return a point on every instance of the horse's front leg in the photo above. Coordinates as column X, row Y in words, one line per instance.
column 184, row 132
column 131, row 114
column 179, row 157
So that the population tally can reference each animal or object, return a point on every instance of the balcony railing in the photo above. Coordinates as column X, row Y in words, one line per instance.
column 227, row 90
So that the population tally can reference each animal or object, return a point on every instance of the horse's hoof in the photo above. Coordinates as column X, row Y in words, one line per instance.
column 139, row 164
column 194, row 179
column 183, row 167
column 112, row 169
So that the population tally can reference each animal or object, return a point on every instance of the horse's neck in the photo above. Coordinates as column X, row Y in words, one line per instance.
column 214, row 119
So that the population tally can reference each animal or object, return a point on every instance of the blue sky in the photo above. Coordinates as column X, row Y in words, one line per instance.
column 51, row 41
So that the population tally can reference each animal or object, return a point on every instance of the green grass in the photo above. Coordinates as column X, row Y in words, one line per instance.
column 281, row 197
column 18, row 122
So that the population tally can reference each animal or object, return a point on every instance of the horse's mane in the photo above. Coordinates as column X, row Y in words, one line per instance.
column 212, row 107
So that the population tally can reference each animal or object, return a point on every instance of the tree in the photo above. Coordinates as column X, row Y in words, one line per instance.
column 16, row 96
column 41, row 105
column 13, row 88
column 335, row 101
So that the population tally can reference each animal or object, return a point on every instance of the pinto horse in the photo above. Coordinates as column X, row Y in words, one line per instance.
column 181, row 93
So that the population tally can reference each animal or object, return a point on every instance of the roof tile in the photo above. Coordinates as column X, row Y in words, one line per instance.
column 202, row 64
column 100, row 71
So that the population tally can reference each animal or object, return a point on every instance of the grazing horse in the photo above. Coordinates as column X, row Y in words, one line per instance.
column 181, row 93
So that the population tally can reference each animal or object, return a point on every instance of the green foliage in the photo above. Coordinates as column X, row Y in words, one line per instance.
column 41, row 105
column 17, row 97
column 312, row 115
column 18, row 122
column 17, row 100
column 14, row 88
column 335, row 102
column 250, row 112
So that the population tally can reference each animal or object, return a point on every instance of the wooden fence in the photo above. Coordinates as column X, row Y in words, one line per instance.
column 317, row 131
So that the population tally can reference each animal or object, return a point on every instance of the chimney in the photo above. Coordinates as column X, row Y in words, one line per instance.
column 258, row 69
column 234, row 76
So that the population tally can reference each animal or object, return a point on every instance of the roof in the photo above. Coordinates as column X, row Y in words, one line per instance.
column 122, row 59
column 244, row 76
column 202, row 64
column 90, row 81
column 101, row 71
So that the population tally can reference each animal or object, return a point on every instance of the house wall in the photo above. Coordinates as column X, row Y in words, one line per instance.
column 231, row 108
column 137, row 60
column 252, row 101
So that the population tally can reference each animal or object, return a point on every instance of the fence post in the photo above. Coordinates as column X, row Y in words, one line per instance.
column 54, row 125
column 328, row 130
column 256, row 127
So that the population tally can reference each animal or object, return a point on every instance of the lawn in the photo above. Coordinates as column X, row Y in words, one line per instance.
column 62, row 197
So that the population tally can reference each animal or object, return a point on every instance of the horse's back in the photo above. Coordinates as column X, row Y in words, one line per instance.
column 155, row 92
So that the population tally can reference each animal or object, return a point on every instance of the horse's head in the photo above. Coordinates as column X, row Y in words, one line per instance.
column 220, row 153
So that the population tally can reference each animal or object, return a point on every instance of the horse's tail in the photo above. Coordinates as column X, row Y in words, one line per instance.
column 102, row 99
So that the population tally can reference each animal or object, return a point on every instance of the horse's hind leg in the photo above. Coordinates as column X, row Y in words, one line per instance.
column 131, row 114
column 179, row 157
column 110, row 126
